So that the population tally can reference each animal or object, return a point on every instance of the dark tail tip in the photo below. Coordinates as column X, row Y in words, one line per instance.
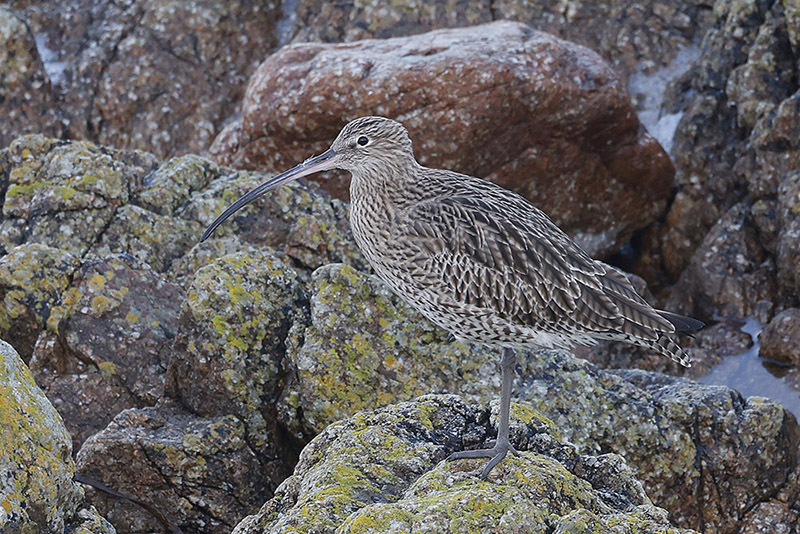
column 681, row 322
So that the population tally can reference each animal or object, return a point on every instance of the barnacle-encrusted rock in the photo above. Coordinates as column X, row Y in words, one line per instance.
column 384, row 472
column 37, row 492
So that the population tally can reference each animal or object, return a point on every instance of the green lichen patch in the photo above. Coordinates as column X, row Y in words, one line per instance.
column 32, row 279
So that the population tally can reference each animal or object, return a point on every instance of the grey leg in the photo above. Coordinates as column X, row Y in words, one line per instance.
column 503, row 444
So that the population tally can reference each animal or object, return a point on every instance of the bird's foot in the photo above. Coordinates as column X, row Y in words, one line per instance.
column 498, row 452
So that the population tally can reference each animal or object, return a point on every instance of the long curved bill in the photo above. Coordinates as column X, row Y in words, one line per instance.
column 324, row 162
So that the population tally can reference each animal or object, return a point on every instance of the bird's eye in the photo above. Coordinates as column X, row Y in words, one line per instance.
column 362, row 140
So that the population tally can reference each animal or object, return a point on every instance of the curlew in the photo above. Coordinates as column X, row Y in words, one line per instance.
column 478, row 260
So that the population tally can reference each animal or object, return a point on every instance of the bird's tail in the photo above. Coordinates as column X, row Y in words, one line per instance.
column 666, row 345
column 682, row 323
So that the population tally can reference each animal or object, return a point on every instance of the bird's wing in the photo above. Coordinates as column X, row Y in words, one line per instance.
column 516, row 263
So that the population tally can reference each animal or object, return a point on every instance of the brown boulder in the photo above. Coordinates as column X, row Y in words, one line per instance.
column 201, row 474
column 106, row 346
column 780, row 339
column 522, row 108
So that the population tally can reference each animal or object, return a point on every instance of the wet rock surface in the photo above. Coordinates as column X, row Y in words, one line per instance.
column 500, row 101
column 406, row 486
column 36, row 463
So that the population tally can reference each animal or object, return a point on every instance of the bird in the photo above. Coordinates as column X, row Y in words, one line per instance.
column 478, row 260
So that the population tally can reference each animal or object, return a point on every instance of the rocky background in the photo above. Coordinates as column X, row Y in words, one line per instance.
column 265, row 381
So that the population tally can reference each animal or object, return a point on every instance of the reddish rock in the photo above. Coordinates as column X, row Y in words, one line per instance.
column 643, row 34
column 542, row 116
column 788, row 237
column 780, row 339
column 107, row 343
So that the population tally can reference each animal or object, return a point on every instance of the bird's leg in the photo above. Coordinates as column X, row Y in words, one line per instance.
column 503, row 444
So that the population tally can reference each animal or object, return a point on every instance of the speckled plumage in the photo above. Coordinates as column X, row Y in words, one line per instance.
column 484, row 263
column 478, row 260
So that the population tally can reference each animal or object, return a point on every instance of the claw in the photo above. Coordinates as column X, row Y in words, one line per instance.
column 496, row 454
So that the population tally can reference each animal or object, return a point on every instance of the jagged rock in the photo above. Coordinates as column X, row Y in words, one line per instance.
column 578, row 151
column 156, row 75
column 730, row 274
column 788, row 237
column 384, row 471
column 36, row 467
column 27, row 103
column 199, row 472
column 736, row 145
column 632, row 36
column 228, row 354
column 32, row 278
column 64, row 194
column 780, row 339
column 108, row 342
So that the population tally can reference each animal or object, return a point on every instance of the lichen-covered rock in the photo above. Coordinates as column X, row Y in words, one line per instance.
column 158, row 240
column 703, row 452
column 32, row 279
column 156, row 75
column 780, row 339
column 201, row 473
column 365, row 348
column 641, row 35
column 64, row 194
column 384, row 472
column 228, row 354
column 26, row 96
column 544, row 117
column 108, row 343
column 37, row 493
column 301, row 223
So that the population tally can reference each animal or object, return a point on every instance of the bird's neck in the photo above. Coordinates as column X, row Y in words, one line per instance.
column 394, row 186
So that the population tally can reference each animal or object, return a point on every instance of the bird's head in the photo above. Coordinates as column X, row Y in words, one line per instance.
column 363, row 144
